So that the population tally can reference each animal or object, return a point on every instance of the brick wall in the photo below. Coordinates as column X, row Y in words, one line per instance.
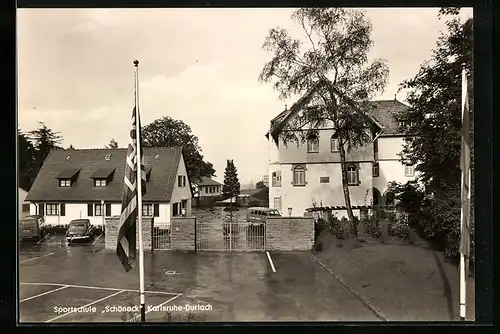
column 183, row 233
column 289, row 234
column 111, row 235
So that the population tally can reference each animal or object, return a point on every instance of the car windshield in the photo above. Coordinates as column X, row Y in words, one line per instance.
column 28, row 222
column 77, row 224
column 273, row 213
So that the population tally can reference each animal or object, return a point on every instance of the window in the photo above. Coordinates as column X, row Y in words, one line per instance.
column 65, row 183
column 334, row 144
column 100, row 183
column 277, row 179
column 176, row 209
column 277, row 203
column 313, row 145
column 409, row 171
column 98, row 210
column 147, row 210
column 181, row 181
column 52, row 209
column 352, row 175
column 299, row 176
column 324, row 179
column 375, row 169
column 26, row 208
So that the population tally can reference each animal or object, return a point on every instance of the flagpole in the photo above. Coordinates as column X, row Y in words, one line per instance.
column 462, row 216
column 139, row 192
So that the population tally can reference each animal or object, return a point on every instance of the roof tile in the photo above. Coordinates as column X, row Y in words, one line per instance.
column 165, row 161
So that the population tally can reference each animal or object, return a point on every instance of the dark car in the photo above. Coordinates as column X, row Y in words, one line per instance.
column 32, row 227
column 79, row 230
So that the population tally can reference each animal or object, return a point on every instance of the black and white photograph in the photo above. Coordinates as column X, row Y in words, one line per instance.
column 194, row 165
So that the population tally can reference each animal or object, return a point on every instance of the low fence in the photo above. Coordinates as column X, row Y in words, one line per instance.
column 186, row 234
column 178, row 235
column 230, row 236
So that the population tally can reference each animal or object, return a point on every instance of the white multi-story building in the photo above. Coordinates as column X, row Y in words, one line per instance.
column 308, row 175
column 88, row 184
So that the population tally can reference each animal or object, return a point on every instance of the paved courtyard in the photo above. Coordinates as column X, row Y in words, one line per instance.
column 203, row 286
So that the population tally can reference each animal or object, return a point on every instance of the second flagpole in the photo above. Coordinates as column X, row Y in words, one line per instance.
column 139, row 193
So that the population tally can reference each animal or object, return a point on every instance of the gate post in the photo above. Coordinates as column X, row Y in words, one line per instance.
column 195, row 235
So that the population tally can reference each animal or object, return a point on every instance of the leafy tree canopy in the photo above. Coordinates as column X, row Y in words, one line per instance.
column 260, row 185
column 166, row 132
column 112, row 144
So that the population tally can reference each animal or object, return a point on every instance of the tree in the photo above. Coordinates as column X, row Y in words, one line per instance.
column 331, row 75
column 231, row 186
column 434, row 140
column 26, row 160
column 112, row 144
column 260, row 185
column 44, row 140
column 167, row 131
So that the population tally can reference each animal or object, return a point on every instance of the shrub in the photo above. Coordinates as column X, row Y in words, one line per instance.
column 340, row 232
column 400, row 227
column 332, row 222
column 372, row 226
column 319, row 226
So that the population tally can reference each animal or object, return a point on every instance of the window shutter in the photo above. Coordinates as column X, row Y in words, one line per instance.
column 90, row 209
column 108, row 209
column 156, row 210
column 41, row 207
column 63, row 209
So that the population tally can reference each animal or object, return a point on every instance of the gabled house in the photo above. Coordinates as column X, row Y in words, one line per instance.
column 24, row 206
column 308, row 175
column 88, row 184
column 208, row 187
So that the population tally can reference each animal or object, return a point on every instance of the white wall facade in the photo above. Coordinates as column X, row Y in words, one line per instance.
column 181, row 193
column 22, row 197
column 327, row 163
column 79, row 210
column 205, row 191
column 390, row 167
column 299, row 198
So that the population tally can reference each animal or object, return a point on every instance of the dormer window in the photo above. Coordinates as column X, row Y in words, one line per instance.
column 103, row 176
column 67, row 177
column 100, row 182
column 65, row 183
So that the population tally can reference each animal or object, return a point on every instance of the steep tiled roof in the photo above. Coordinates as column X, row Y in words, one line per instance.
column 164, row 162
column 385, row 111
column 206, row 181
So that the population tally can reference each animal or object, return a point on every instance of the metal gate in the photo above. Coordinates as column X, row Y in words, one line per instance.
column 161, row 236
column 230, row 236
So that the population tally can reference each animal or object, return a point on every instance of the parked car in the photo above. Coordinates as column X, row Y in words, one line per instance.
column 79, row 230
column 32, row 227
column 258, row 215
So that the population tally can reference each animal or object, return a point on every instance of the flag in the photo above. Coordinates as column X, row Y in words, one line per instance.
column 126, row 247
column 465, row 168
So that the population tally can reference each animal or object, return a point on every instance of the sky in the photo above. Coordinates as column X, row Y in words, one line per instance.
column 201, row 66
